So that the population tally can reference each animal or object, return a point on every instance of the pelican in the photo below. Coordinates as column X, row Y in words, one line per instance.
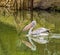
column 36, row 35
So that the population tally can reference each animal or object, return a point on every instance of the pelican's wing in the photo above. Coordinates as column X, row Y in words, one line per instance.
column 38, row 31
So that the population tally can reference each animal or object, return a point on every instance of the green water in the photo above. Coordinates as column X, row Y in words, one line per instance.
column 11, row 33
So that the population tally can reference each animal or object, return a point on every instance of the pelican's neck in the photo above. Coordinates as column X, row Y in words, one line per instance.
column 33, row 25
column 30, row 30
column 33, row 47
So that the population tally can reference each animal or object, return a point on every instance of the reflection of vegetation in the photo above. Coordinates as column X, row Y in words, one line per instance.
column 44, row 19
column 6, row 40
column 46, row 24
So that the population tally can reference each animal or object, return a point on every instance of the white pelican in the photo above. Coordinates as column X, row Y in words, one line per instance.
column 36, row 35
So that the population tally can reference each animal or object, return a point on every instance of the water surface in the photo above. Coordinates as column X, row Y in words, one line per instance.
column 12, row 23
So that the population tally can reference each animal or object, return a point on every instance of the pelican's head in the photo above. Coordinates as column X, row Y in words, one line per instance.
column 32, row 24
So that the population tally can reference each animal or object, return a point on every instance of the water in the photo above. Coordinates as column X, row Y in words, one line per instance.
column 12, row 23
